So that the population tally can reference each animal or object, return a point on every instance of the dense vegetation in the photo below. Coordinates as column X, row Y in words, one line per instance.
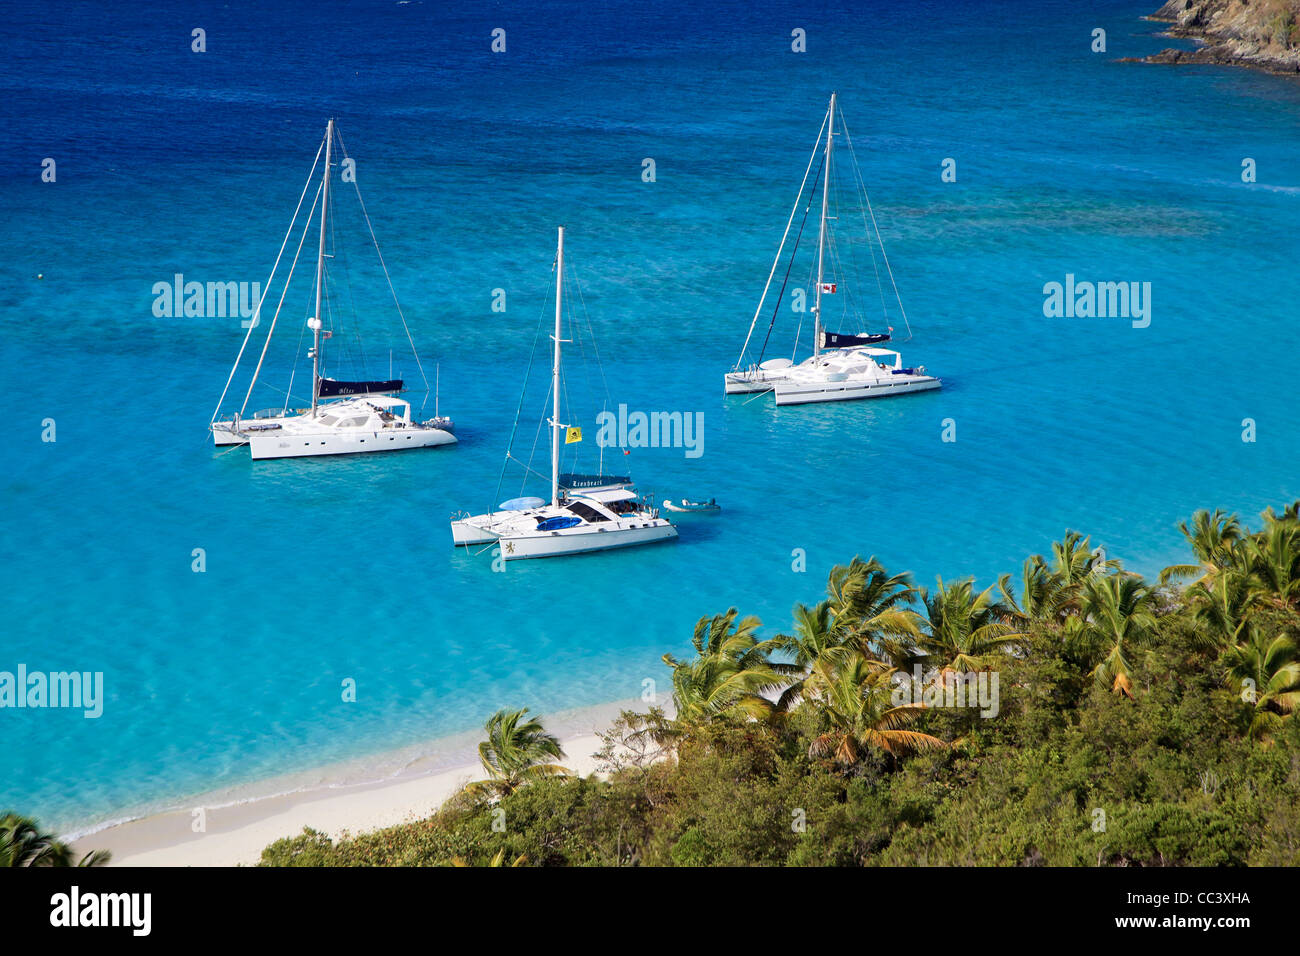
column 1137, row 723
column 1078, row 716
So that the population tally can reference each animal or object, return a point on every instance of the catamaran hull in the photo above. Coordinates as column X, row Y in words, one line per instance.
column 309, row 446
column 222, row 438
column 745, row 386
column 544, row 544
column 792, row 393
column 464, row 534
column 744, row 383
column 237, row 433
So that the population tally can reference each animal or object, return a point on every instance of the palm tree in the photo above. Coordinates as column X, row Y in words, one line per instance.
column 1241, row 574
column 1225, row 604
column 1117, row 614
column 730, row 671
column 518, row 751
column 1039, row 597
column 819, row 649
column 862, row 718
column 815, row 632
column 1051, row 592
column 1273, row 557
column 23, row 844
column 1214, row 539
column 1290, row 513
column 1075, row 560
column 1272, row 666
column 865, row 612
column 964, row 630
column 870, row 606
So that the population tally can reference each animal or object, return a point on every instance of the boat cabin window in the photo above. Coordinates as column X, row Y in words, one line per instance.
column 353, row 422
column 328, row 419
column 586, row 512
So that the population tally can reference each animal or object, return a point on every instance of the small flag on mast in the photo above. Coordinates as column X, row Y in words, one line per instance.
column 572, row 435
column 828, row 287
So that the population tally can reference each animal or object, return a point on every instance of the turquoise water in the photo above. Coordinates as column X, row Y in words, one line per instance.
column 317, row 571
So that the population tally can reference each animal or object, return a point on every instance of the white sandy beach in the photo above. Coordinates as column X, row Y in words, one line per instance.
column 236, row 831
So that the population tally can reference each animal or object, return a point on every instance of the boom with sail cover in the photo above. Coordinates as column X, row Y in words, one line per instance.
column 333, row 388
column 837, row 340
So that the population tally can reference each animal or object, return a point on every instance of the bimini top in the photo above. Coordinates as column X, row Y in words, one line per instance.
column 612, row 495
column 380, row 401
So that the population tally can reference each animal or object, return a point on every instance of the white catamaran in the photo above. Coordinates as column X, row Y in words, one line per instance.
column 345, row 417
column 585, row 513
column 842, row 366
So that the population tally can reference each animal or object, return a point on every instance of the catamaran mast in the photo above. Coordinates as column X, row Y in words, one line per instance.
column 315, row 322
column 821, row 233
column 555, row 374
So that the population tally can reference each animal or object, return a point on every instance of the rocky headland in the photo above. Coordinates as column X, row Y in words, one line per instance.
column 1264, row 34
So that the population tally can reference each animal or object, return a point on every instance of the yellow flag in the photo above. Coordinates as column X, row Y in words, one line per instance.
column 572, row 435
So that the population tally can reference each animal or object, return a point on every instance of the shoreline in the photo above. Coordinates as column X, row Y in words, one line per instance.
column 355, row 797
column 1224, row 36
column 162, row 835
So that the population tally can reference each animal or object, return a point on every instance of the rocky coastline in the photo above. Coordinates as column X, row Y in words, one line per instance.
column 1262, row 34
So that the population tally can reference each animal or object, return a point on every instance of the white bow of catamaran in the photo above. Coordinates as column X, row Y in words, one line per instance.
column 604, row 515
column 842, row 366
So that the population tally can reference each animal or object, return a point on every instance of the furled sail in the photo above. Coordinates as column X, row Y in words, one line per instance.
column 332, row 388
column 834, row 340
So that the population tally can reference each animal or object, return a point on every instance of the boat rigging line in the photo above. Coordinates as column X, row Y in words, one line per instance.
column 271, row 278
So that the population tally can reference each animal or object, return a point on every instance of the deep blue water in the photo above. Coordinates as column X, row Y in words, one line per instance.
column 170, row 161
